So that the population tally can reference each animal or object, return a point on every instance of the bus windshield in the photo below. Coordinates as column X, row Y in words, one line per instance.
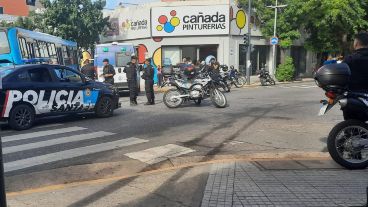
column 4, row 43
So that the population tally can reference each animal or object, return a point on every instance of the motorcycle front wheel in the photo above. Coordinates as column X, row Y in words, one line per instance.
column 241, row 81
column 344, row 144
column 218, row 98
column 169, row 98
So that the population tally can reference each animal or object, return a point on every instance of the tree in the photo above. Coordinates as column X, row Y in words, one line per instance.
column 288, row 21
column 332, row 23
column 78, row 20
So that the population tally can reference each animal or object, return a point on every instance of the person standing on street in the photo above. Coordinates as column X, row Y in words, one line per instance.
column 159, row 76
column 131, row 74
column 148, row 74
column 358, row 62
column 88, row 70
column 108, row 72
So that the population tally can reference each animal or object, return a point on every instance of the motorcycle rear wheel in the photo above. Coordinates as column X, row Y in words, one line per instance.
column 263, row 82
column 167, row 98
column 358, row 129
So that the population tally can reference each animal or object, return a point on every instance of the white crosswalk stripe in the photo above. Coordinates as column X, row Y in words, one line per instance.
column 62, row 140
column 40, row 134
column 158, row 154
column 71, row 153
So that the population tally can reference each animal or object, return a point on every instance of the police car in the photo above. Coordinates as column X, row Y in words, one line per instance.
column 31, row 91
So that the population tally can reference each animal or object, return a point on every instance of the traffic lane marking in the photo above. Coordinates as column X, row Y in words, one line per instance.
column 68, row 154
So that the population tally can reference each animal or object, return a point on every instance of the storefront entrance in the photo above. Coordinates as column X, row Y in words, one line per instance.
column 258, row 58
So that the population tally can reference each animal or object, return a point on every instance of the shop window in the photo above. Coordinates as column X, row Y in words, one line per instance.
column 1, row 10
column 172, row 54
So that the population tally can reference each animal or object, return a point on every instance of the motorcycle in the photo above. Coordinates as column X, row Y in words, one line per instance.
column 236, row 78
column 225, row 81
column 201, row 87
column 265, row 77
column 347, row 142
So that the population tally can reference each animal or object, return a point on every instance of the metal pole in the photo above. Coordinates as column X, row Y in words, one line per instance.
column 274, row 46
column 2, row 179
column 250, row 45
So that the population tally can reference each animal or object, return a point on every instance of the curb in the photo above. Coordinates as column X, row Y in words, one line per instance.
column 63, row 177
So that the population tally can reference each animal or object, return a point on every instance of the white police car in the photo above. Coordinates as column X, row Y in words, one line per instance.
column 31, row 91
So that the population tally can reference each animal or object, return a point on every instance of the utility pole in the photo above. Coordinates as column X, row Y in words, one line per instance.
column 2, row 179
column 274, row 34
column 248, row 63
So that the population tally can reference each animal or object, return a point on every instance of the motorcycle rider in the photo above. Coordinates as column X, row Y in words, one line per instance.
column 358, row 62
column 148, row 74
column 131, row 74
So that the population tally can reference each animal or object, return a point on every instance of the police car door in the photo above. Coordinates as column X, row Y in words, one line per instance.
column 74, row 94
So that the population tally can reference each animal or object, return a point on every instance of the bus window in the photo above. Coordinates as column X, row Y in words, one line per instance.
column 23, row 47
column 66, row 55
column 42, row 48
column 122, row 59
column 4, row 43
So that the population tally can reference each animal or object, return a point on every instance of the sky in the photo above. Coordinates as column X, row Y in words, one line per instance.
column 113, row 3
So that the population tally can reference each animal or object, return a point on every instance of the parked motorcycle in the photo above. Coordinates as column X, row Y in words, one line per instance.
column 265, row 77
column 347, row 142
column 236, row 78
column 201, row 87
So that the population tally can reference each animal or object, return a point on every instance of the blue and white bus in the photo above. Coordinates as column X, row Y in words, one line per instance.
column 19, row 46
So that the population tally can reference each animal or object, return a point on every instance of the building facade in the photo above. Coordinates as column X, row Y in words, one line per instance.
column 170, row 31
column 14, row 7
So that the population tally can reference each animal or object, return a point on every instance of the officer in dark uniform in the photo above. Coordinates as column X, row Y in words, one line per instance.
column 148, row 73
column 131, row 74
column 108, row 72
column 358, row 63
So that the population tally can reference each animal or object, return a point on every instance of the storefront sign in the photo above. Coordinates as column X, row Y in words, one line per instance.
column 132, row 23
column 190, row 20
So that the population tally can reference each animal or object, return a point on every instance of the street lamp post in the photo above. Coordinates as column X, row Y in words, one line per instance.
column 248, row 63
column 2, row 179
column 274, row 34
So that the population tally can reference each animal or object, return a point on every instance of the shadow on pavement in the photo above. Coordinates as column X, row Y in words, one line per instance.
column 171, row 186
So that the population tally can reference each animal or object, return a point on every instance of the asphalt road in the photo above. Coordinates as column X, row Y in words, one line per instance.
column 258, row 119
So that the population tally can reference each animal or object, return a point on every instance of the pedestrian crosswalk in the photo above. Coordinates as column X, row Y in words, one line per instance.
column 48, row 146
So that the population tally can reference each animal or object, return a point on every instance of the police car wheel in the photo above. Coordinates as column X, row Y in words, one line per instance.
column 104, row 107
column 21, row 117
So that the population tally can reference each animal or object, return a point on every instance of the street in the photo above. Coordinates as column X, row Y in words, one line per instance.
column 264, row 121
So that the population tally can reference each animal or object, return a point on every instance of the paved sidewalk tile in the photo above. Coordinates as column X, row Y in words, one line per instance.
column 243, row 184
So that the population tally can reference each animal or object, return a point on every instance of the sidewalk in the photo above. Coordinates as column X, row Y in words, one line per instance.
column 235, row 183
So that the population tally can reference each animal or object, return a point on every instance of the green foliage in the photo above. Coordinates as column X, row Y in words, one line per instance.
column 285, row 71
column 326, row 25
column 22, row 22
column 78, row 20
column 332, row 23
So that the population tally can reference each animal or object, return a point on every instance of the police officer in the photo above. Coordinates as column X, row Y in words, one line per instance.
column 358, row 62
column 108, row 72
column 89, row 70
column 131, row 74
column 148, row 73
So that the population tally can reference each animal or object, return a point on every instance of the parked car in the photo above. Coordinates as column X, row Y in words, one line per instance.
column 31, row 91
